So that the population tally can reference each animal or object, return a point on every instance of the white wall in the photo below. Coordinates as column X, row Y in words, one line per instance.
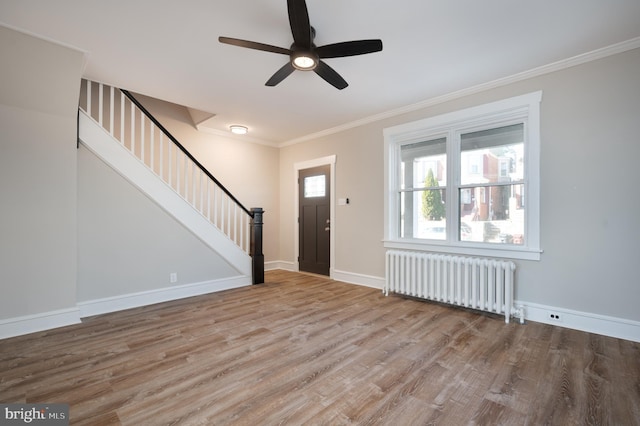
column 38, row 103
column 127, row 244
column 358, row 226
column 589, row 177
column 590, row 151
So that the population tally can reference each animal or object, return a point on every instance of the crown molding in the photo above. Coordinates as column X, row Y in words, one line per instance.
column 573, row 61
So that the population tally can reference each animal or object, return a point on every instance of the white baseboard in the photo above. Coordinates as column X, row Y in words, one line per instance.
column 134, row 300
column 359, row 279
column 336, row 274
column 280, row 264
column 38, row 322
column 19, row 326
column 584, row 321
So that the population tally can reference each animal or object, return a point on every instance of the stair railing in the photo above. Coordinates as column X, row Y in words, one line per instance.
column 138, row 131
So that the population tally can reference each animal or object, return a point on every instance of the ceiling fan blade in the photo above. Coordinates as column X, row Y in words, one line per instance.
column 330, row 76
column 299, row 22
column 349, row 48
column 254, row 45
column 280, row 75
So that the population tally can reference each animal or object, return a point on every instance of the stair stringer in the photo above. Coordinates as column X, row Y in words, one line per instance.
column 106, row 147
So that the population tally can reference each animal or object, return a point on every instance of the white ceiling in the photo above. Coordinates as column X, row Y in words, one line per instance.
column 169, row 49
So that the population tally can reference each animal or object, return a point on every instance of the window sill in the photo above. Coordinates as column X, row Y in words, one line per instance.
column 484, row 250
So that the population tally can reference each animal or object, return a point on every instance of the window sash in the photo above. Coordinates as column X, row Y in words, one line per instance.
column 492, row 137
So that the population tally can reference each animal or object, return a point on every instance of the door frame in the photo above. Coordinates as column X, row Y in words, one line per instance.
column 330, row 161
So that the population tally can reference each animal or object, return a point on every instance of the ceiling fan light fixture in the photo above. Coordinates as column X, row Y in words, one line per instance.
column 238, row 130
column 304, row 61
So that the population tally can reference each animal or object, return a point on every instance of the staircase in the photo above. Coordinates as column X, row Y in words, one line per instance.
column 119, row 130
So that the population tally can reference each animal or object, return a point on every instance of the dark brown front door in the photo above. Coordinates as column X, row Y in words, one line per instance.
column 314, row 220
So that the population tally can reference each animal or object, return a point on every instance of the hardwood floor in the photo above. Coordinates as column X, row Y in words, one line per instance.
column 303, row 349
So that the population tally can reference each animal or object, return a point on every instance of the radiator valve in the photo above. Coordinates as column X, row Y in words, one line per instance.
column 518, row 312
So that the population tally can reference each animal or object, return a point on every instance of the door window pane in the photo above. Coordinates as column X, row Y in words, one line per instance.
column 314, row 186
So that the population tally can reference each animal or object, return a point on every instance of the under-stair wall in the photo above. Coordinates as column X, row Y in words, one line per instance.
column 119, row 114
column 116, row 128
column 132, row 252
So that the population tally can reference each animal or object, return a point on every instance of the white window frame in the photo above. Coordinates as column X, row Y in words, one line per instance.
column 520, row 109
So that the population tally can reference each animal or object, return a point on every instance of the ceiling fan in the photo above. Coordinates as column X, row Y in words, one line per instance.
column 303, row 54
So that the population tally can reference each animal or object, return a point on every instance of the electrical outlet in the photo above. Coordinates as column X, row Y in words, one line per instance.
column 173, row 277
column 554, row 316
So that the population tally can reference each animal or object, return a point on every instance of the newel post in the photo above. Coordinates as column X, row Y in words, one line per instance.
column 255, row 248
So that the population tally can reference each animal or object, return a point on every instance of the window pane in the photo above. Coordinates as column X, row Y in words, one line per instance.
column 492, row 214
column 491, row 156
column 424, row 164
column 422, row 214
column 314, row 186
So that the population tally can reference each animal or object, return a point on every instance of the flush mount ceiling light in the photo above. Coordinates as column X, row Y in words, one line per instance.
column 238, row 130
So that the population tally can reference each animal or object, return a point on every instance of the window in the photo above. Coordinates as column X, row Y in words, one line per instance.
column 314, row 186
column 457, row 182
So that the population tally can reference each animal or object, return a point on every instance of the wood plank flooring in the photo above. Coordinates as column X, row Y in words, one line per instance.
column 303, row 349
